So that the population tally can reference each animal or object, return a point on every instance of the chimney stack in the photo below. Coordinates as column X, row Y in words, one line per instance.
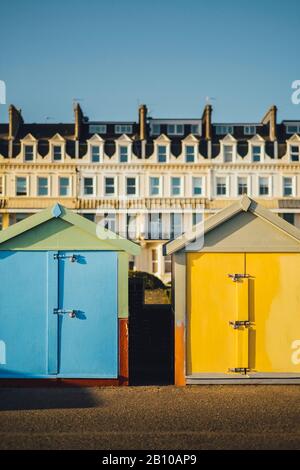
column 271, row 118
column 15, row 121
column 143, row 121
column 78, row 120
column 206, row 120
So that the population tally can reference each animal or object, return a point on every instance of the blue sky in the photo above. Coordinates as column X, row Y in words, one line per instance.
column 169, row 54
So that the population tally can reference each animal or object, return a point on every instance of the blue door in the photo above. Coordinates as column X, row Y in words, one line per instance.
column 88, row 343
column 23, row 313
column 58, row 314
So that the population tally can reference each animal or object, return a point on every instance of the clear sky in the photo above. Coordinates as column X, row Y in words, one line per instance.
column 169, row 54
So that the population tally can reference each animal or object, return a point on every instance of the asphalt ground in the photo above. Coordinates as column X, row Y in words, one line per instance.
column 195, row 417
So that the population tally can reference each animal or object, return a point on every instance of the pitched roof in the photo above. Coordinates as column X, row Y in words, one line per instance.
column 59, row 211
column 244, row 204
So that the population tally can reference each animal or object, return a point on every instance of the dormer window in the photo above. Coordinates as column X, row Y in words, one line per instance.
column 256, row 153
column 249, row 130
column 295, row 153
column 293, row 129
column 97, row 128
column 57, row 152
column 195, row 129
column 190, row 153
column 155, row 129
column 95, row 150
column 223, row 130
column 162, row 153
column 123, row 129
column 175, row 129
column 123, row 154
column 28, row 153
column 228, row 153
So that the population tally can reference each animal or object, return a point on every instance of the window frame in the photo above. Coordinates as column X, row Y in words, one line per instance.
column 181, row 189
column 226, row 178
column 27, row 185
column 114, row 185
column 269, row 178
column 93, row 178
column 127, row 177
column 202, row 186
column 38, row 178
column 60, row 177
column 123, row 129
column 151, row 177
column 293, row 186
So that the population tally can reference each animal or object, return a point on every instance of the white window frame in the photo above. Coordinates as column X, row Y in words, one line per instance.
column 48, row 185
column 93, row 177
column 228, row 143
column 113, row 177
column 163, row 144
column 159, row 188
column 186, row 145
column 293, row 178
column 181, row 186
column 247, row 177
column 136, row 185
column 270, row 179
column 198, row 129
column 69, row 186
column 231, row 147
column 247, row 129
column 97, row 128
column 226, row 177
column 290, row 152
column 202, row 185
column 123, row 129
column 297, row 126
column 152, row 129
column 34, row 151
column 62, row 147
column 228, row 129
column 27, row 185
column 100, row 147
column 262, row 152
column 175, row 129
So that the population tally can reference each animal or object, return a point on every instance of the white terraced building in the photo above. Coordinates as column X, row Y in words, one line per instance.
column 152, row 178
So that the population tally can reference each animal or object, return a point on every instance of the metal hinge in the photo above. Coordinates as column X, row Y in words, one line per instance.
column 238, row 323
column 72, row 258
column 240, row 370
column 62, row 311
column 236, row 276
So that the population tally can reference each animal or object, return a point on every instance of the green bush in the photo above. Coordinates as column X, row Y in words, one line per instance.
column 150, row 280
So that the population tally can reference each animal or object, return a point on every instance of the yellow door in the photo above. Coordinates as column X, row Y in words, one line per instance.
column 243, row 313
column 274, row 309
column 217, row 324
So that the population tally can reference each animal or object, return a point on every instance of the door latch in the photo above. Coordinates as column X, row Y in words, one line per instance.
column 236, row 276
column 238, row 323
column 72, row 258
column 239, row 370
column 61, row 311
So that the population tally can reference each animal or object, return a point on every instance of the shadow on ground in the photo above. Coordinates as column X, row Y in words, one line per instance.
column 14, row 399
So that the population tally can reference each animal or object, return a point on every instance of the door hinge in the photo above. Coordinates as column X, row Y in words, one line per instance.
column 72, row 258
column 61, row 311
column 238, row 323
column 239, row 370
column 236, row 276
